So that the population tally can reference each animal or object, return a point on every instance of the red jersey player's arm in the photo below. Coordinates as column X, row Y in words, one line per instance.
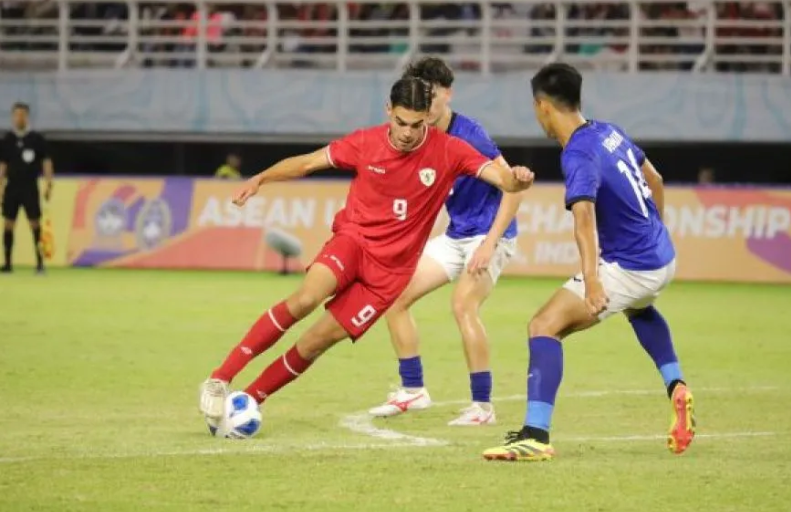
column 342, row 153
column 656, row 184
column 514, row 179
column 295, row 167
column 467, row 160
column 286, row 169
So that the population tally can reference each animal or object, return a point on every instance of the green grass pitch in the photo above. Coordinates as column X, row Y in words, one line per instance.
column 99, row 371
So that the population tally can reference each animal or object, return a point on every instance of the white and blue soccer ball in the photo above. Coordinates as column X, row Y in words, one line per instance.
column 242, row 416
column 242, row 419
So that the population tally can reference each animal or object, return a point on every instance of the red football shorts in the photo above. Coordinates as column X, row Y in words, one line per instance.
column 365, row 289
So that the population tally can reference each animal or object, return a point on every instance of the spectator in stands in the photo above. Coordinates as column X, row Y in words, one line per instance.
column 764, row 11
column 216, row 23
column 590, row 33
column 231, row 169
column 706, row 176
column 374, row 13
column 256, row 33
column 11, row 11
column 728, row 11
column 693, row 11
column 544, row 15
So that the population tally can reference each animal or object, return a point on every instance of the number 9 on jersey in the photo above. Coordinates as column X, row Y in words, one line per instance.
column 399, row 208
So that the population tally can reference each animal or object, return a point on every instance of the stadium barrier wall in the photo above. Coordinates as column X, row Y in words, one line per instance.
column 667, row 107
column 721, row 234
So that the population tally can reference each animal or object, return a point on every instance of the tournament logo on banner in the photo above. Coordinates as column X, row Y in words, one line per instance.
column 118, row 222
column 153, row 225
column 109, row 224
column 184, row 223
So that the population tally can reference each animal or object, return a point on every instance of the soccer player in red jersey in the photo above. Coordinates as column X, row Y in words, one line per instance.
column 404, row 170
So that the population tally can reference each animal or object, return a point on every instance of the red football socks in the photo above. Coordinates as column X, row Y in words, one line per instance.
column 264, row 333
column 283, row 370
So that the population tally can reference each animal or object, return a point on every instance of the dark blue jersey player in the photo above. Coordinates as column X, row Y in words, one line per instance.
column 479, row 241
column 627, row 256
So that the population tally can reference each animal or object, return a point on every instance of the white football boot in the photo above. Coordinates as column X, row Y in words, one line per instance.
column 478, row 413
column 402, row 400
column 212, row 398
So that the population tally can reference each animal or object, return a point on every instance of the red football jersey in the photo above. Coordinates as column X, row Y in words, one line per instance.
column 395, row 197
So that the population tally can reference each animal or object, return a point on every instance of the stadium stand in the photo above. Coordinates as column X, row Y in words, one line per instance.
column 485, row 36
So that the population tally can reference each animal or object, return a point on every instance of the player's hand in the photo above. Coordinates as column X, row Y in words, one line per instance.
column 524, row 176
column 248, row 190
column 481, row 258
column 595, row 297
column 48, row 192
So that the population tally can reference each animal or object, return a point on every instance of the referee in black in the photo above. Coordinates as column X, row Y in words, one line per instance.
column 23, row 158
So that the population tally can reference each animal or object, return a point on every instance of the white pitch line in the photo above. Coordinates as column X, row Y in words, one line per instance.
column 280, row 448
column 241, row 448
column 362, row 422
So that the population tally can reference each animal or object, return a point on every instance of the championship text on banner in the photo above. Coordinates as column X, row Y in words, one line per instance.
column 728, row 234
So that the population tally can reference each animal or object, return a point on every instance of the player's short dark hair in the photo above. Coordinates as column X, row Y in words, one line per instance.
column 431, row 69
column 412, row 93
column 559, row 82
column 20, row 105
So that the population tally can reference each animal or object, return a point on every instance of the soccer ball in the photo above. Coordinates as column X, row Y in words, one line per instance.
column 242, row 418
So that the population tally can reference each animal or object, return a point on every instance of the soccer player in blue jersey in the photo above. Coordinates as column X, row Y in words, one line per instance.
column 479, row 241
column 616, row 195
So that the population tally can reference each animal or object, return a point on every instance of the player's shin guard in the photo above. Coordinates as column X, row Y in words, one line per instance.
column 8, row 246
column 282, row 371
column 264, row 333
column 544, row 374
column 654, row 335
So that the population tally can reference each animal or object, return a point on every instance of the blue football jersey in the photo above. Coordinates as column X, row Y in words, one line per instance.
column 472, row 204
column 601, row 164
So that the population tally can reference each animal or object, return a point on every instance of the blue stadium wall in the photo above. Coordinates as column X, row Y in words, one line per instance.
column 656, row 107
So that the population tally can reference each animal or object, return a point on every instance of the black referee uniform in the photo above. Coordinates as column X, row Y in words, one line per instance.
column 23, row 153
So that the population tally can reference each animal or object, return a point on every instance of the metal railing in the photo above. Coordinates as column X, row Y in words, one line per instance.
column 484, row 35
